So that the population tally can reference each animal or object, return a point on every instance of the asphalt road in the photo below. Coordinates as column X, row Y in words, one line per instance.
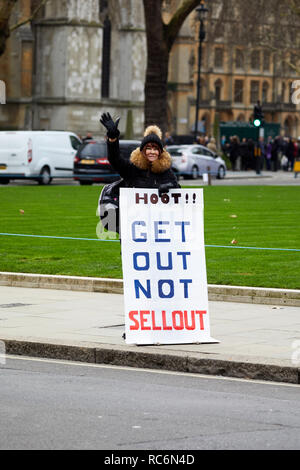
column 63, row 405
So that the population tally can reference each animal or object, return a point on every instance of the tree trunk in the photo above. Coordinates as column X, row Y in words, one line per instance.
column 157, row 66
column 160, row 39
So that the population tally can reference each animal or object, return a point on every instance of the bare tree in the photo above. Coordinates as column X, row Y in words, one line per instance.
column 160, row 39
column 269, row 24
column 6, row 8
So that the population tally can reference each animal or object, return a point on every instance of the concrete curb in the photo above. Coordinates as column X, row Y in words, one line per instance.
column 141, row 358
column 255, row 295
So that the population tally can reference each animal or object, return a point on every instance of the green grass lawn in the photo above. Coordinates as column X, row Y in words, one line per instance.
column 265, row 216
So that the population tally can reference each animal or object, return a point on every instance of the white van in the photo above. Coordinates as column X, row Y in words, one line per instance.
column 37, row 155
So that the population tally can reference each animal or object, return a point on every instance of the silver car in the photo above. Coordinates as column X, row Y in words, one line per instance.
column 192, row 161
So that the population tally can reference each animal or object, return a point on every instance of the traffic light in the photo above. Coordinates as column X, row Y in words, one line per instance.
column 258, row 115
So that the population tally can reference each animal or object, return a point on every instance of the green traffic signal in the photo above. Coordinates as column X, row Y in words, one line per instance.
column 258, row 115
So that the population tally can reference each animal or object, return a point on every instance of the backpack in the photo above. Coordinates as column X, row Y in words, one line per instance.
column 109, row 205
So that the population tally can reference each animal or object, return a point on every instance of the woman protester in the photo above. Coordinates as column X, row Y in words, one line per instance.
column 149, row 165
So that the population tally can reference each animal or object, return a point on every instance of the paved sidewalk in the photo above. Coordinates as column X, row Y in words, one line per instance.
column 250, row 178
column 256, row 341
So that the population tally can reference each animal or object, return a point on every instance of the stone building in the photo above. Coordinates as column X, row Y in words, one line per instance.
column 76, row 61
column 234, row 74
column 80, row 58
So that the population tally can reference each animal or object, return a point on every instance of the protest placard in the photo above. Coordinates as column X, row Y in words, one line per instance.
column 164, row 268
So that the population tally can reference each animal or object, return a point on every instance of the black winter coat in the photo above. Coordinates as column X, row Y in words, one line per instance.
column 138, row 172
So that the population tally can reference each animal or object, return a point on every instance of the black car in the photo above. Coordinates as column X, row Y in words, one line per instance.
column 91, row 163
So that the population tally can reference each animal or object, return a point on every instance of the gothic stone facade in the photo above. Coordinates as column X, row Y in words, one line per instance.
column 234, row 73
column 78, row 60
column 81, row 58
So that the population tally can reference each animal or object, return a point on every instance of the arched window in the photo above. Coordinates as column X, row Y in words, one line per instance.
column 203, row 93
column 219, row 57
column 254, row 91
column 255, row 60
column 265, row 92
column 239, row 59
column 288, row 126
column 291, row 91
column 283, row 88
column 238, row 91
column 106, row 58
column 103, row 6
column 266, row 61
column 218, row 89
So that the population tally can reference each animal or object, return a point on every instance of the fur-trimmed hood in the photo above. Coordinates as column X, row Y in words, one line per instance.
column 164, row 161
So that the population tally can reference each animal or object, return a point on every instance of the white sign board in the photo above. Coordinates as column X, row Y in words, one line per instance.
column 164, row 269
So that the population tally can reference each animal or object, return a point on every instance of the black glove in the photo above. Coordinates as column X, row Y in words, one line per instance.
column 164, row 188
column 111, row 126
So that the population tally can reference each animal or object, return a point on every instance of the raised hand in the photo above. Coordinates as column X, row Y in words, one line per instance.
column 111, row 126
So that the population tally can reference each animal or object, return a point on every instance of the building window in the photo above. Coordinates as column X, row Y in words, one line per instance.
column 291, row 91
column 103, row 5
column 255, row 60
column 254, row 91
column 265, row 91
column 192, row 62
column 293, row 63
column 238, row 91
column 219, row 56
column 202, row 89
column 218, row 89
column 283, row 65
column 283, row 87
column 106, row 58
column 266, row 61
column 239, row 59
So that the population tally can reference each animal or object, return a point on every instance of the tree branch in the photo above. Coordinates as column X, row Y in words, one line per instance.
column 30, row 18
column 294, row 6
column 171, row 30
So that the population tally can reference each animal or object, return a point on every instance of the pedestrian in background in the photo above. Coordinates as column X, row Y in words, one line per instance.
column 251, row 161
column 274, row 153
column 223, row 142
column 297, row 160
column 295, row 152
column 290, row 149
column 257, row 157
column 212, row 145
column 168, row 139
column 268, row 154
column 262, row 147
column 244, row 153
column 88, row 137
column 234, row 151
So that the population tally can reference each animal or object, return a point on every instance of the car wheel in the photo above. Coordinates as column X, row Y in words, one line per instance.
column 221, row 172
column 195, row 173
column 85, row 182
column 4, row 180
column 45, row 176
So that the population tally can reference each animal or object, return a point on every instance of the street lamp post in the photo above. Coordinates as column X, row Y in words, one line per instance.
column 201, row 10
